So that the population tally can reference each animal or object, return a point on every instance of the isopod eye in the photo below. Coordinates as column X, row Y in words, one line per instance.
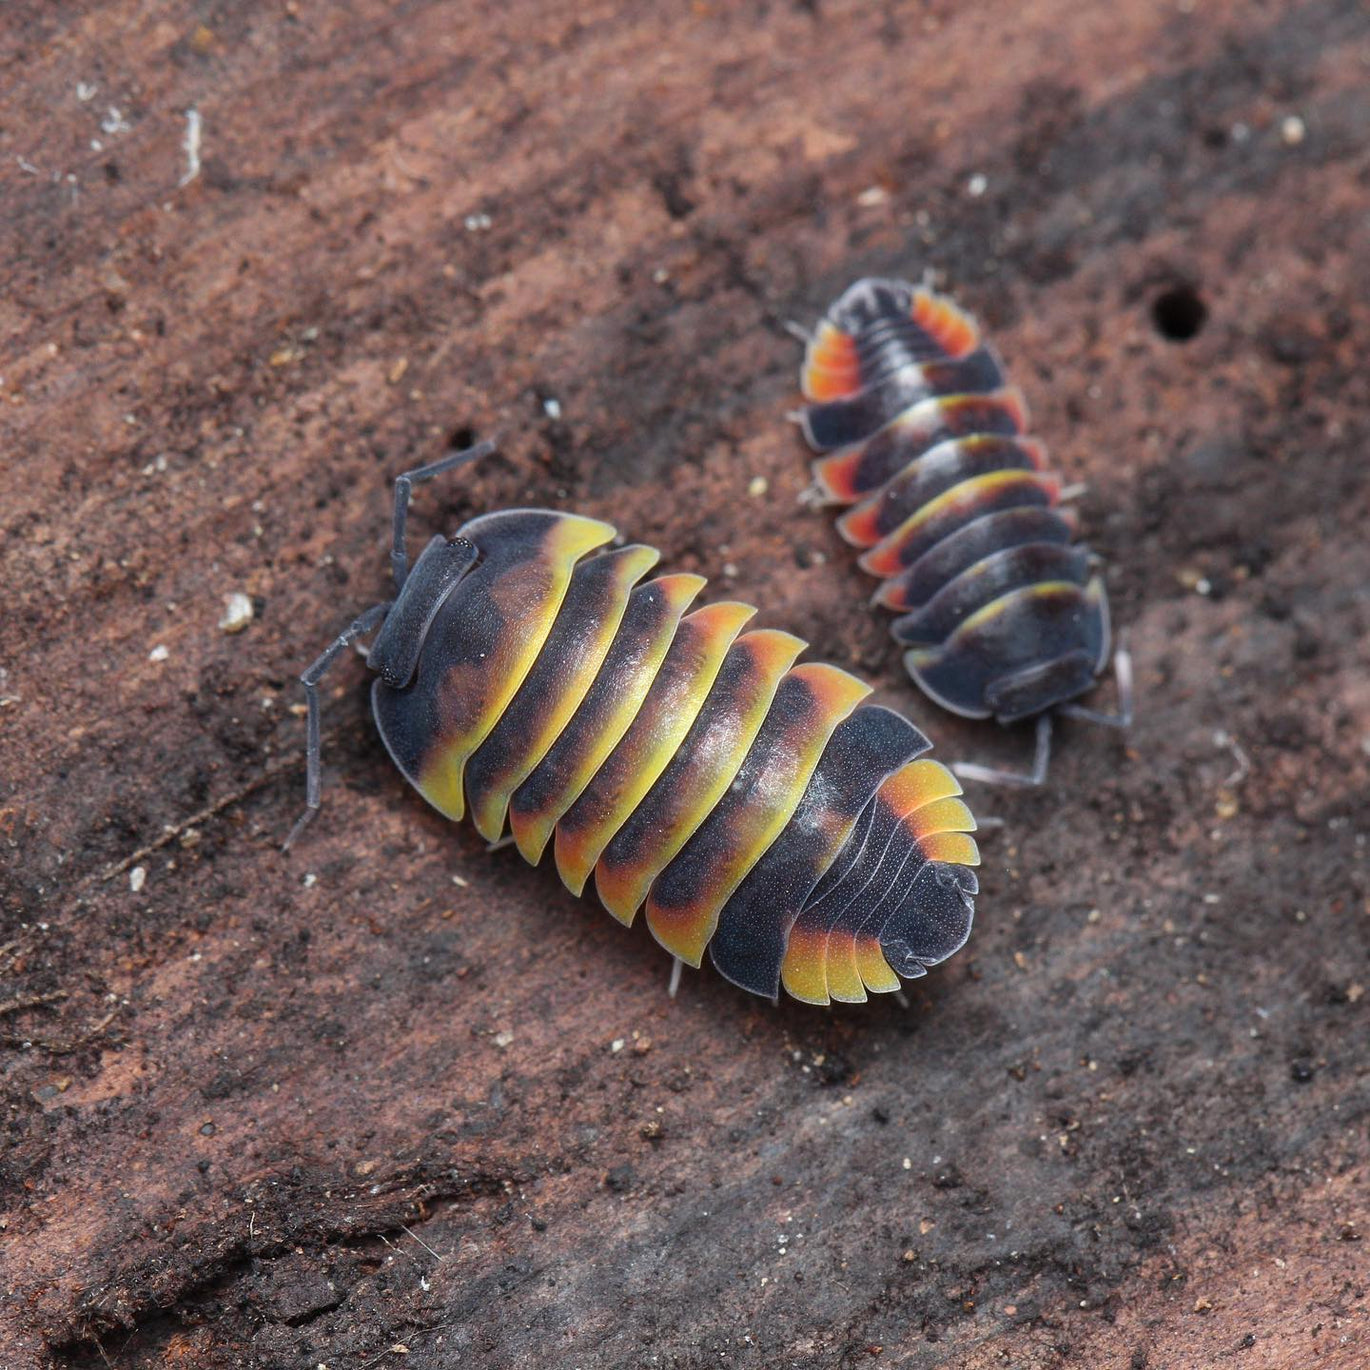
column 945, row 876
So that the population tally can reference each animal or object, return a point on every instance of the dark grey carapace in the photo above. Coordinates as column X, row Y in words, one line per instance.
column 1002, row 614
column 531, row 676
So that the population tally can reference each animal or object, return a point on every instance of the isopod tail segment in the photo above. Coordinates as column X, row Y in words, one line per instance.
column 528, row 675
column 954, row 507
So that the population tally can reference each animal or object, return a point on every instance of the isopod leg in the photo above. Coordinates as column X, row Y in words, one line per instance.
column 1122, row 675
column 676, row 967
column 310, row 680
column 404, row 487
column 992, row 775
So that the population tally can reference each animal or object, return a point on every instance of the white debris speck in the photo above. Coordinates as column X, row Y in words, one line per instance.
column 661, row 275
column 552, row 408
column 873, row 196
column 137, row 878
column 977, row 185
column 617, row 1044
column 757, row 486
column 503, row 1039
column 190, row 145
column 237, row 612
column 114, row 122
column 477, row 223
column 460, row 881
column 1241, row 133
column 310, row 881
column 96, row 145
column 158, row 653
column 908, row 1163
column 84, row 92
column 156, row 466
column 1293, row 130
column 729, row 570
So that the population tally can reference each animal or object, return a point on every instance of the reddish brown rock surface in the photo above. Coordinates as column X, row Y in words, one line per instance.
column 391, row 1101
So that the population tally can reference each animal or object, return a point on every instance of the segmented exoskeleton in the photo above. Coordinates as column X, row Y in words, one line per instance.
column 1001, row 614
column 529, row 676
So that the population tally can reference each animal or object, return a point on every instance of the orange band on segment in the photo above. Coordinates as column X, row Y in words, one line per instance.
column 945, row 815
column 919, row 784
column 846, row 476
column 955, row 848
column 951, row 327
column 831, row 369
column 870, row 520
column 922, row 786
column 861, row 527
column 685, row 900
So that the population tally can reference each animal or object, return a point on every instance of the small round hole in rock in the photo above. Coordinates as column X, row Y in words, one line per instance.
column 461, row 438
column 1179, row 313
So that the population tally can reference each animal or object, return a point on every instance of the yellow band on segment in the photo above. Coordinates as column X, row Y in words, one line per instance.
column 875, row 970
column 920, row 658
column 527, row 595
column 922, row 795
column 489, row 808
column 623, row 885
column 844, row 978
column 887, row 557
column 650, row 742
column 802, row 972
column 533, row 820
column 843, row 477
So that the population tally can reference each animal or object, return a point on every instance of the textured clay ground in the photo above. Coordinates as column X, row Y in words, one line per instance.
column 393, row 1102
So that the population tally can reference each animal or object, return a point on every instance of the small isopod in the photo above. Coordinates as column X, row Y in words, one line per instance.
column 1003, row 614
column 529, row 677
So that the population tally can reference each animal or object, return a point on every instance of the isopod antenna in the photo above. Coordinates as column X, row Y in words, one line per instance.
column 419, row 595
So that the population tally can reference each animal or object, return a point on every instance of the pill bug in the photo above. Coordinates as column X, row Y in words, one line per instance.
column 528, row 676
column 1002, row 613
